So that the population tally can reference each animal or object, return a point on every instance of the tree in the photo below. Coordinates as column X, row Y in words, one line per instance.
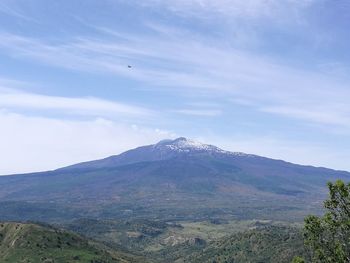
column 328, row 237
column 298, row 260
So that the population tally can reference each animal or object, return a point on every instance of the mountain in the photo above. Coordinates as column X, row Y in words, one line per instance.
column 37, row 243
column 164, row 150
column 174, row 180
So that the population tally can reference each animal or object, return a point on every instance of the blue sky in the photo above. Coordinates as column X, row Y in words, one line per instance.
column 267, row 77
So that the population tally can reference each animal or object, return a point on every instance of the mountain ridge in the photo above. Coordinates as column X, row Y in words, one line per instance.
column 162, row 150
column 168, row 144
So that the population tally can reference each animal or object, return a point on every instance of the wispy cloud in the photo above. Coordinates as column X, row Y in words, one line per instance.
column 195, row 64
column 322, row 114
column 200, row 112
column 233, row 8
column 17, row 99
column 9, row 8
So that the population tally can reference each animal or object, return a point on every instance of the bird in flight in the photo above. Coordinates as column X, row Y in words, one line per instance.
column 129, row 66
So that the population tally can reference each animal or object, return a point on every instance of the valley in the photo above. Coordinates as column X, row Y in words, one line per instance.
column 100, row 241
column 196, row 241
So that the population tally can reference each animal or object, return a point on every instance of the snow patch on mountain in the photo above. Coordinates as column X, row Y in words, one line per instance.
column 186, row 145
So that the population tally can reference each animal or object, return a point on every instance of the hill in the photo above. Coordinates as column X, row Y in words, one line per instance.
column 35, row 243
column 230, row 241
column 171, row 180
column 267, row 244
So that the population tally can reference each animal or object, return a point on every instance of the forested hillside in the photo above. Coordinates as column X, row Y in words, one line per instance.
column 32, row 243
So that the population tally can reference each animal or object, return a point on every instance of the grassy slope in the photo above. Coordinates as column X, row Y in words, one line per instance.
column 34, row 243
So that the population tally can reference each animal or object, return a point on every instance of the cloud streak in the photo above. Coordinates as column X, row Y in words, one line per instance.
column 195, row 65
column 14, row 99
column 83, row 106
column 8, row 9
column 199, row 112
column 250, row 9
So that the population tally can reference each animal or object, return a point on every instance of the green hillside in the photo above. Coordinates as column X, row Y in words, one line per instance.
column 31, row 243
column 267, row 244
column 204, row 241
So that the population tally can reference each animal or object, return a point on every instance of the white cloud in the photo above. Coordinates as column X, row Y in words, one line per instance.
column 322, row 115
column 200, row 112
column 199, row 66
column 31, row 144
column 247, row 9
column 15, row 99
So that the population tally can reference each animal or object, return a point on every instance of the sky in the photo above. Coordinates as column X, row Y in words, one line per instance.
column 265, row 77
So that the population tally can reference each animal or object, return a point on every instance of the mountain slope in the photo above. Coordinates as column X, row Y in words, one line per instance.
column 171, row 152
column 34, row 243
column 174, row 179
column 163, row 150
